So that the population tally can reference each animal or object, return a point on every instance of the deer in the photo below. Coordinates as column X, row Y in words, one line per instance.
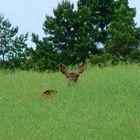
column 72, row 76
column 48, row 93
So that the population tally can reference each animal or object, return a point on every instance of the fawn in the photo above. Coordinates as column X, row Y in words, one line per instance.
column 48, row 93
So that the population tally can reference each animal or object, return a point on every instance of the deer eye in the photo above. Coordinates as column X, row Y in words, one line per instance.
column 77, row 76
column 67, row 76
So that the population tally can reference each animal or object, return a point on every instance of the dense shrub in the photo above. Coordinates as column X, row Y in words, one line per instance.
column 103, row 60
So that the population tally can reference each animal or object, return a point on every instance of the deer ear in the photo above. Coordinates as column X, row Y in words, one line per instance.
column 80, row 70
column 64, row 71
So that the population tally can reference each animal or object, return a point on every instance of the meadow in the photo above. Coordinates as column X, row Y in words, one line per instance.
column 103, row 105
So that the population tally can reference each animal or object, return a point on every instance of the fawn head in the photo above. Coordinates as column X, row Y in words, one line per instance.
column 72, row 76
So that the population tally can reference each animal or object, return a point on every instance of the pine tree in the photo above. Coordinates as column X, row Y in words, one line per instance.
column 68, row 38
column 123, row 34
column 101, row 14
column 12, row 47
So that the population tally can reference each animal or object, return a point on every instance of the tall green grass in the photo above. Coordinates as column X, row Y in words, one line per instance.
column 104, row 105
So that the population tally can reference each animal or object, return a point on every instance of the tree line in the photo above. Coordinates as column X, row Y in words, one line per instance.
column 97, row 32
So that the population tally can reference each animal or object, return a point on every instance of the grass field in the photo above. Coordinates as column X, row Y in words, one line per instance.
column 104, row 105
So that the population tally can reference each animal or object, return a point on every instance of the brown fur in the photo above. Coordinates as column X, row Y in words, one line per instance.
column 72, row 76
column 48, row 93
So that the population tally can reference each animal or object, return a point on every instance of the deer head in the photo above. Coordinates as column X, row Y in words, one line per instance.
column 48, row 93
column 72, row 76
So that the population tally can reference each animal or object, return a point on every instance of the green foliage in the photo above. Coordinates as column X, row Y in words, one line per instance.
column 17, row 55
column 43, row 57
column 101, row 15
column 135, row 56
column 68, row 38
column 12, row 47
column 124, row 36
column 6, row 34
column 103, row 60
column 72, row 36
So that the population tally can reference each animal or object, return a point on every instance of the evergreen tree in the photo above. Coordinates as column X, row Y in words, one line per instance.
column 124, row 36
column 12, row 47
column 17, row 54
column 72, row 36
column 68, row 37
column 101, row 15
column 43, row 57
column 6, row 34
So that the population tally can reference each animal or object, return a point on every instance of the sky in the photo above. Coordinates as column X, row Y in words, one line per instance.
column 29, row 15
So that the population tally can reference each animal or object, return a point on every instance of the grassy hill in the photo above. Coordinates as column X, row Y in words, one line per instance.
column 104, row 105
